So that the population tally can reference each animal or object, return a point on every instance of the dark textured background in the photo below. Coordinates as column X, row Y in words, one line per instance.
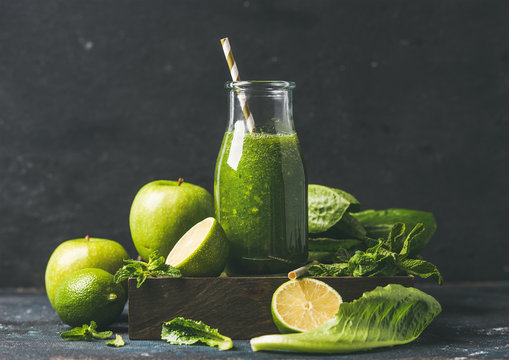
column 403, row 103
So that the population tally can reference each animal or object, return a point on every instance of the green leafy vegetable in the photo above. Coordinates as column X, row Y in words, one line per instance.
column 421, row 268
column 141, row 270
column 386, row 316
column 349, row 227
column 337, row 269
column 380, row 260
column 117, row 342
column 378, row 224
column 355, row 205
column 325, row 208
column 328, row 206
column 85, row 333
column 326, row 250
column 383, row 242
column 332, row 245
column 180, row 331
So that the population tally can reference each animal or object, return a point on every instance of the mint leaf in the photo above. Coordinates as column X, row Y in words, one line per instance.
column 411, row 242
column 396, row 232
column 379, row 224
column 362, row 263
column 156, row 266
column 338, row 269
column 85, row 333
column 77, row 334
column 154, row 256
column 122, row 274
column 103, row 335
column 421, row 268
column 141, row 279
column 117, row 342
column 180, row 331
column 167, row 270
column 380, row 259
column 342, row 255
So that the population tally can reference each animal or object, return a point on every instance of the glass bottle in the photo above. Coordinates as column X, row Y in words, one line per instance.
column 260, row 185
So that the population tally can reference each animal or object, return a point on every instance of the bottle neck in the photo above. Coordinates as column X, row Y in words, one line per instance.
column 261, row 106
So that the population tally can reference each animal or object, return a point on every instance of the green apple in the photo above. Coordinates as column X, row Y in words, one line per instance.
column 77, row 254
column 163, row 211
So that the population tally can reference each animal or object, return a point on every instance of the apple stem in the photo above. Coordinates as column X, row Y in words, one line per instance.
column 180, row 181
column 87, row 238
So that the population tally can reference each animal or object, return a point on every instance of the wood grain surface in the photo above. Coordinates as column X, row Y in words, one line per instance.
column 238, row 306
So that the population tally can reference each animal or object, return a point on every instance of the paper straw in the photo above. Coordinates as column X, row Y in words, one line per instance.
column 297, row 273
column 234, row 71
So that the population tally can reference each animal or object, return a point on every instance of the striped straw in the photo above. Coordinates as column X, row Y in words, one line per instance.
column 234, row 71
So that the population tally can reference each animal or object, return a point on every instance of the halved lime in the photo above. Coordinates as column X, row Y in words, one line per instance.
column 201, row 251
column 303, row 304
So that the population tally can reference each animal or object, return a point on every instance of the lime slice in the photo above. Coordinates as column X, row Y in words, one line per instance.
column 201, row 251
column 300, row 305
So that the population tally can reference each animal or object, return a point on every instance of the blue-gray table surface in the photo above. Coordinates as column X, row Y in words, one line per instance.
column 474, row 324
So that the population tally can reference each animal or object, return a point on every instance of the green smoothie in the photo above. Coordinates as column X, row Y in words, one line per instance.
column 260, row 193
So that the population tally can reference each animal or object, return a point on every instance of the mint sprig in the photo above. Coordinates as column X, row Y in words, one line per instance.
column 155, row 266
column 381, row 258
column 85, row 333
column 117, row 342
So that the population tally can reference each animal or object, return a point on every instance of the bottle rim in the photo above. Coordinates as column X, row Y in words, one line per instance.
column 259, row 85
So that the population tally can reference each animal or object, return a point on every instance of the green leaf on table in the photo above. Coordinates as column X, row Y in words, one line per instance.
column 117, row 342
column 421, row 268
column 101, row 335
column 85, row 333
column 180, row 331
column 156, row 266
column 81, row 333
column 386, row 316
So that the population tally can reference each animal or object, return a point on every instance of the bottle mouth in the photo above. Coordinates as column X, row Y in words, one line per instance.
column 260, row 85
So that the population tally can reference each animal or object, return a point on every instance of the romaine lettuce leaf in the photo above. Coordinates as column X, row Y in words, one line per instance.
column 385, row 316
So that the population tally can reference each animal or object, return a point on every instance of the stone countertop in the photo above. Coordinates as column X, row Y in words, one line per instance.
column 474, row 324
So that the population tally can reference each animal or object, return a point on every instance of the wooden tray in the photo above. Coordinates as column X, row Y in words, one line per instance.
column 238, row 306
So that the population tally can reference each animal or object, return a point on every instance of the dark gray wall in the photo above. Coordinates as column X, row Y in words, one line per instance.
column 403, row 103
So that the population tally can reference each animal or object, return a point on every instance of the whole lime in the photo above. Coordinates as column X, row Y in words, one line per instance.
column 77, row 254
column 89, row 294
